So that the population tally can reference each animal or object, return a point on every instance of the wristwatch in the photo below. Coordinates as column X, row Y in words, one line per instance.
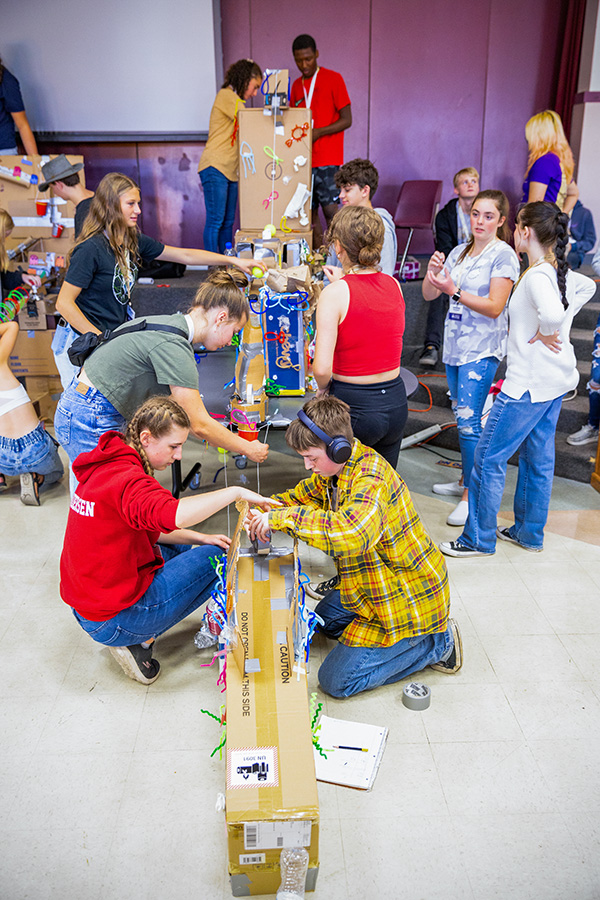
column 456, row 295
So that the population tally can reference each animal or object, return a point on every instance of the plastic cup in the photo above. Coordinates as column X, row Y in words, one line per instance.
column 41, row 207
column 57, row 230
column 247, row 434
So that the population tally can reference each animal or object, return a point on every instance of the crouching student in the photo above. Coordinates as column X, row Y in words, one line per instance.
column 390, row 614
column 26, row 449
column 130, row 566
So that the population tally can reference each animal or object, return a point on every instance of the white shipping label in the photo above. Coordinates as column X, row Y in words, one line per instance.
column 277, row 835
column 252, row 767
column 252, row 859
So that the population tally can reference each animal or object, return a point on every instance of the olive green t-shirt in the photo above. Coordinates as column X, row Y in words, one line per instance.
column 219, row 151
column 133, row 367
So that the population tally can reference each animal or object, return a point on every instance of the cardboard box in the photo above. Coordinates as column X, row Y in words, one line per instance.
column 43, row 319
column 44, row 392
column 269, row 178
column 271, row 799
column 32, row 354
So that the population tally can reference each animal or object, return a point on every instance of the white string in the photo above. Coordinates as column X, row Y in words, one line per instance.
column 274, row 166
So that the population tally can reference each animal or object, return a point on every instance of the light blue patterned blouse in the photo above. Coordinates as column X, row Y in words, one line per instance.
column 475, row 336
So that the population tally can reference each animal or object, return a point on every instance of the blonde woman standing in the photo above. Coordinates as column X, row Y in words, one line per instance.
column 550, row 166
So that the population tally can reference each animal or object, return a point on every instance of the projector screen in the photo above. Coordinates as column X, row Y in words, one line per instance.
column 109, row 67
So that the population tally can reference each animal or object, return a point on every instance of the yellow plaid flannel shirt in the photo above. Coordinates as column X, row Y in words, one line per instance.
column 392, row 576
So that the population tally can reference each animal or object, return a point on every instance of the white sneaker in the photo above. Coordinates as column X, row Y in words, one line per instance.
column 459, row 514
column 448, row 488
column 587, row 434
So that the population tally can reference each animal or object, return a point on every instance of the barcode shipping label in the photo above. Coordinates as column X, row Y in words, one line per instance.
column 252, row 859
column 277, row 835
column 252, row 767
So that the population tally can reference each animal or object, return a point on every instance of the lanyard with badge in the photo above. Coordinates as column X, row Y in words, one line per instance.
column 455, row 308
column 308, row 97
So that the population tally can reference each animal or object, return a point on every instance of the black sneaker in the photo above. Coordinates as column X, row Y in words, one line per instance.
column 318, row 591
column 429, row 356
column 505, row 535
column 453, row 548
column 455, row 660
column 136, row 661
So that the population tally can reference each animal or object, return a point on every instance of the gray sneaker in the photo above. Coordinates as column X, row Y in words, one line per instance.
column 587, row 434
column 30, row 494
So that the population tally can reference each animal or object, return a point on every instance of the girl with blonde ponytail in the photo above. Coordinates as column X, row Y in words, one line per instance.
column 103, row 266
column 131, row 567
column 122, row 373
column 360, row 326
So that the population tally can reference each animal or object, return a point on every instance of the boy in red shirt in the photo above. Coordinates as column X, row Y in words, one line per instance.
column 324, row 93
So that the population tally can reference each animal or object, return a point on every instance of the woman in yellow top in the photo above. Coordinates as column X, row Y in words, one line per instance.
column 218, row 167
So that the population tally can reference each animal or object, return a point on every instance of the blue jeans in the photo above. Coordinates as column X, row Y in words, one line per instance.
column 350, row 670
column 34, row 452
column 469, row 386
column 184, row 583
column 220, row 200
column 62, row 340
column 513, row 425
column 81, row 419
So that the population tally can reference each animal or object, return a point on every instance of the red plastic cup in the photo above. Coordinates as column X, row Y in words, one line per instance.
column 247, row 434
column 41, row 207
column 57, row 230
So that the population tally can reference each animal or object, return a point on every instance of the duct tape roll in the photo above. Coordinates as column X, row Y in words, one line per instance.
column 416, row 695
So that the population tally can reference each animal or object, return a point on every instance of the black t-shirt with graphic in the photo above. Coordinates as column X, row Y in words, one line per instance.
column 93, row 268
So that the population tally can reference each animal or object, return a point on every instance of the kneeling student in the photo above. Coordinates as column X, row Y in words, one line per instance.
column 26, row 448
column 390, row 613
column 129, row 568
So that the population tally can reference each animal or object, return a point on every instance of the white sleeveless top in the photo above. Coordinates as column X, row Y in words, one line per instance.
column 12, row 398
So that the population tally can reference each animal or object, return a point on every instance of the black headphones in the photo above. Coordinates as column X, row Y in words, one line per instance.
column 338, row 447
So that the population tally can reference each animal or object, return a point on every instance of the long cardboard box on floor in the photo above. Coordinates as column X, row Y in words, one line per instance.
column 271, row 799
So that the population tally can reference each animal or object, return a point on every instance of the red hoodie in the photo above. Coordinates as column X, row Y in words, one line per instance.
column 117, row 513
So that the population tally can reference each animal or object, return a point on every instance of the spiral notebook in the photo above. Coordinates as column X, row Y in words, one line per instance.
column 353, row 752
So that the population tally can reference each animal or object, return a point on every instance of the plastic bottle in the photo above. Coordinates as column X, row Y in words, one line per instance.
column 229, row 251
column 294, row 867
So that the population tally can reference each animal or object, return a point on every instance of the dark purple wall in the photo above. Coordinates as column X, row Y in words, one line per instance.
column 435, row 86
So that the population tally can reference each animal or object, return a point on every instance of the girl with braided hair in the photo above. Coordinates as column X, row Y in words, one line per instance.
column 541, row 368
column 131, row 567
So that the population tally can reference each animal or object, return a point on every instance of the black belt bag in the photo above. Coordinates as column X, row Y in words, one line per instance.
column 84, row 345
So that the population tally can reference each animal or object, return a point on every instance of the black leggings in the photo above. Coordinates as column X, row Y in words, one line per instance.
column 378, row 413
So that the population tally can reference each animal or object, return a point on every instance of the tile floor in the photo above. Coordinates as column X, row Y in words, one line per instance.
column 108, row 790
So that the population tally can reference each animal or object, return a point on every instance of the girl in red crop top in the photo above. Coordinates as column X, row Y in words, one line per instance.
column 360, row 325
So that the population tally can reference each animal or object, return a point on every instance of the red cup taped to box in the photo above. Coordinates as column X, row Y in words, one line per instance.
column 57, row 230
column 41, row 206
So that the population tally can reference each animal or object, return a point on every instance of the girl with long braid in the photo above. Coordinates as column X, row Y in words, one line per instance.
column 131, row 567
column 541, row 368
